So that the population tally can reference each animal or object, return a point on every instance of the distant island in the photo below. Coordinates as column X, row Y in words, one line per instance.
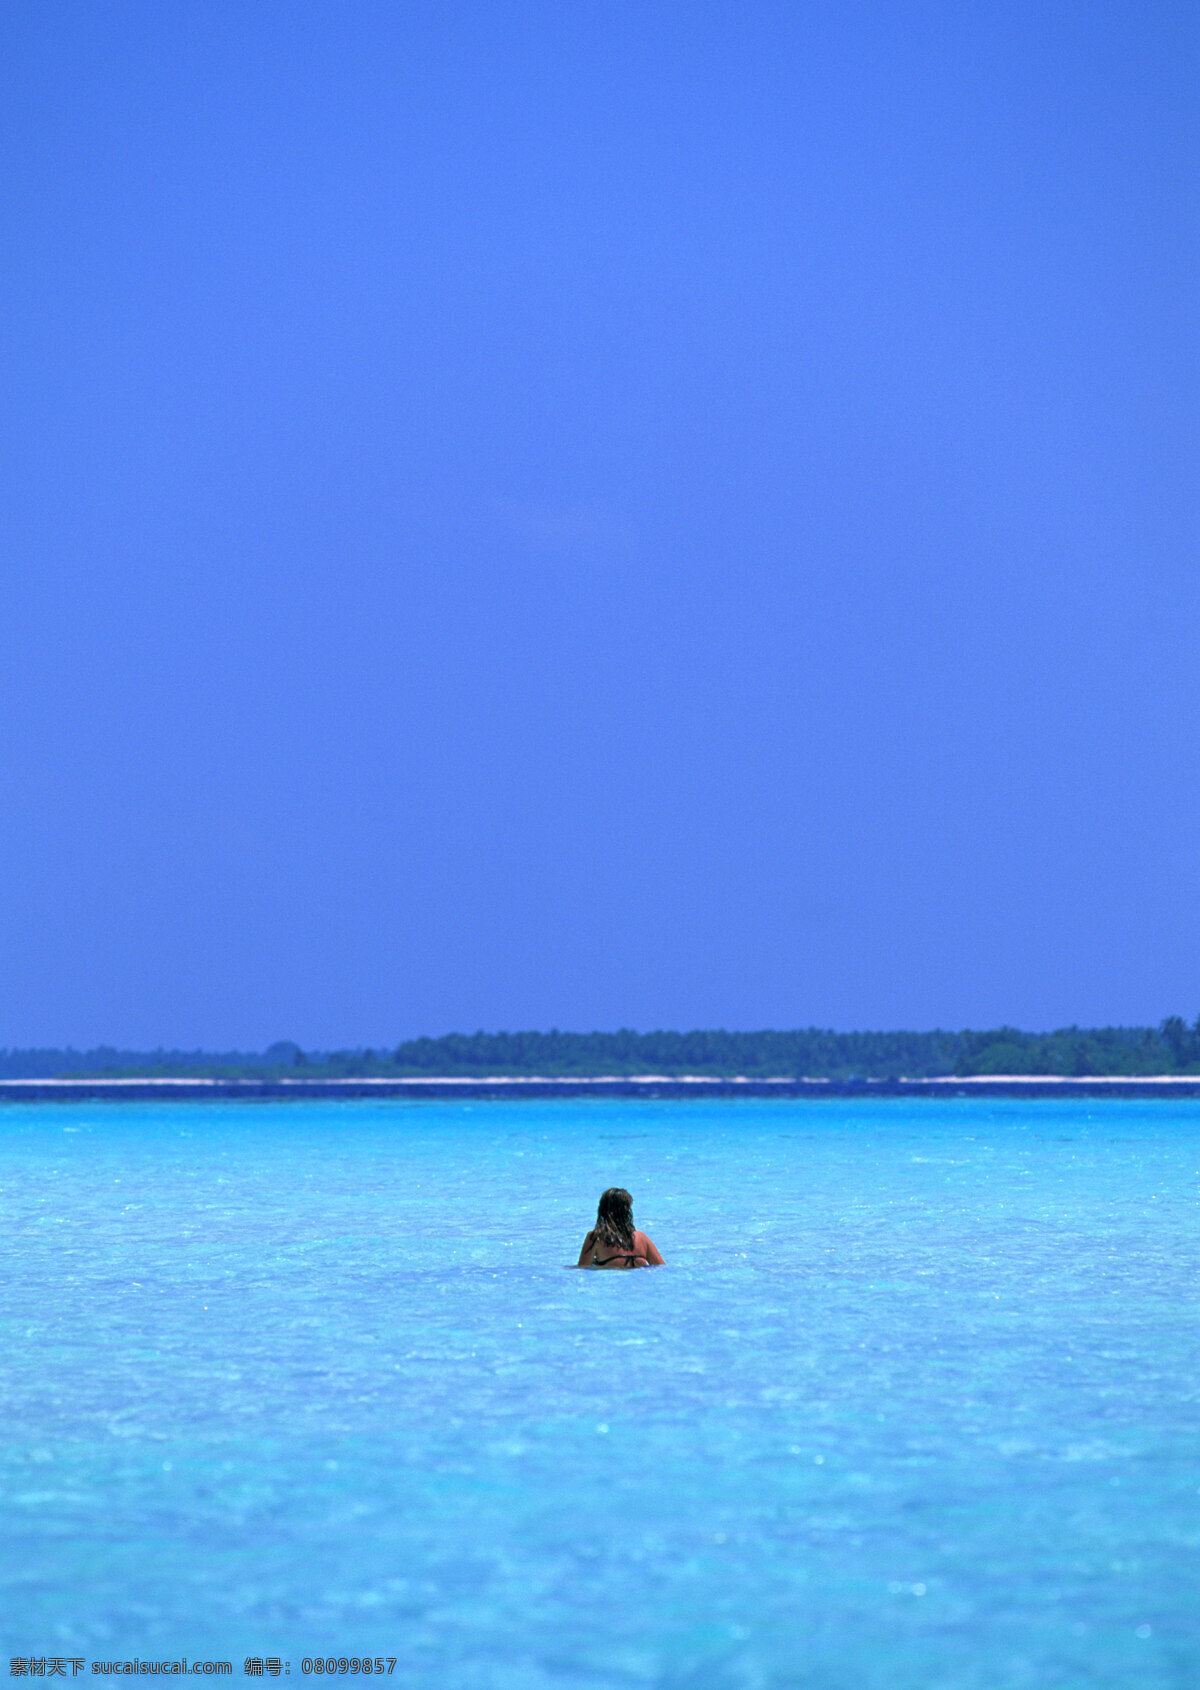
column 1173, row 1047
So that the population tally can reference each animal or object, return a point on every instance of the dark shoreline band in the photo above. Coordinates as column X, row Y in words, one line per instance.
column 72, row 1090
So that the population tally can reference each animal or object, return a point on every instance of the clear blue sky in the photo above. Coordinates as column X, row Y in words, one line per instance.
column 597, row 514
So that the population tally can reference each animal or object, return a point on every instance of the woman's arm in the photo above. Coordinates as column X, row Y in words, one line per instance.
column 585, row 1255
column 650, row 1248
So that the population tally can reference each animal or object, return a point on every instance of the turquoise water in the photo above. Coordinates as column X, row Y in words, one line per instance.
column 913, row 1403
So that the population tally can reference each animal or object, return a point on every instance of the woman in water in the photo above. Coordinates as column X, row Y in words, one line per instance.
column 614, row 1242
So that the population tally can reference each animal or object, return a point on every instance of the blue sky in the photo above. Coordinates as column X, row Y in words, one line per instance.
column 590, row 515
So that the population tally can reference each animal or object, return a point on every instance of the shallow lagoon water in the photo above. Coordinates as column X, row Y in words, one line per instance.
column 913, row 1404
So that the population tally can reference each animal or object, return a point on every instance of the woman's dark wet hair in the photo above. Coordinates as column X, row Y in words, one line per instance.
column 614, row 1218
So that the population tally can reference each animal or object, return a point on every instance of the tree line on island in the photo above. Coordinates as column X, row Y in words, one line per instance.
column 1173, row 1047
